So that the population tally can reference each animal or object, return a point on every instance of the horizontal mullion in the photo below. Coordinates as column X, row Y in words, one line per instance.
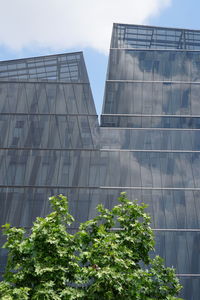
column 177, row 229
column 151, row 128
column 164, row 229
column 39, row 80
column 149, row 115
column 149, row 150
column 99, row 187
column 51, row 149
column 152, row 81
column 147, row 188
column 154, row 49
column 188, row 275
column 48, row 114
column 49, row 186
column 100, row 150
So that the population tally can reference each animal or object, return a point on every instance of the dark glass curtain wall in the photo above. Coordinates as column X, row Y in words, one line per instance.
column 148, row 143
column 150, row 137
column 49, row 139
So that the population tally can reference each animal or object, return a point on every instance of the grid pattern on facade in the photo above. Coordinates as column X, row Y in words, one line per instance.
column 150, row 125
column 147, row 145
column 150, row 37
column 150, row 121
column 49, row 139
column 46, row 98
column 63, row 67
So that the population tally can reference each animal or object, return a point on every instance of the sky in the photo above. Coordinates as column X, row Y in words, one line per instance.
column 41, row 27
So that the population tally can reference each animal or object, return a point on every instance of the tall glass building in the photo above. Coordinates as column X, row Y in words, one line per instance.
column 148, row 142
column 150, row 135
column 49, row 137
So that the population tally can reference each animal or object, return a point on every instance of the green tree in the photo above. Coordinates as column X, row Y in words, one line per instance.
column 108, row 258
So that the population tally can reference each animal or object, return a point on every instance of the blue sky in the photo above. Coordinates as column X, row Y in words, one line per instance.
column 27, row 28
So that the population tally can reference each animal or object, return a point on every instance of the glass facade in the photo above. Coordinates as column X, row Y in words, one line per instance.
column 49, row 139
column 138, row 36
column 62, row 67
column 150, row 127
column 148, row 142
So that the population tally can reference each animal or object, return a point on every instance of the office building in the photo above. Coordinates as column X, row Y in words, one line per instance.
column 150, row 135
column 148, row 142
column 48, row 138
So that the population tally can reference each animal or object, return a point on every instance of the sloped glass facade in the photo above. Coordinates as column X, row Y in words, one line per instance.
column 148, row 142
column 150, row 137
column 49, row 138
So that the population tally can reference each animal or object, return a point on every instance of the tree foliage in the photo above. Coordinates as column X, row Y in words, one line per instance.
column 97, row 262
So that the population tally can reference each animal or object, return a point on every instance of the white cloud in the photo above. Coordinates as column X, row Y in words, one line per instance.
column 61, row 24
